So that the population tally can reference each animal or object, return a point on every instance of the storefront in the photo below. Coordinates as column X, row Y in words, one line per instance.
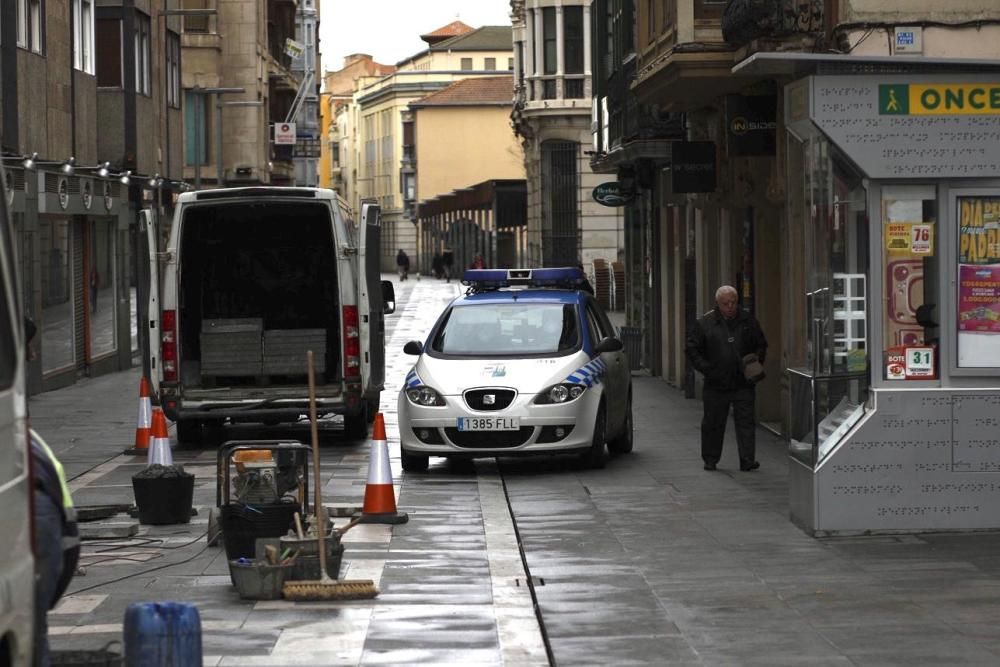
column 72, row 240
column 892, row 306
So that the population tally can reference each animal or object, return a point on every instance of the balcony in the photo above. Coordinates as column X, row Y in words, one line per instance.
column 745, row 21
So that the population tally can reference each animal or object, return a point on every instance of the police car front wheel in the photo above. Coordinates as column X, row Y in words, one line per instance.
column 413, row 462
column 593, row 456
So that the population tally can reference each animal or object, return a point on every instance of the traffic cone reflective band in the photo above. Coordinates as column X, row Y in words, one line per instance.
column 145, row 421
column 159, row 447
column 380, row 496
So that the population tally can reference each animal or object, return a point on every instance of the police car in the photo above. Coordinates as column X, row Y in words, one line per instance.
column 526, row 362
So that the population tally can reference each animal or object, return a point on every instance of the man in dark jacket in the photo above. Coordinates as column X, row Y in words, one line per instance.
column 717, row 347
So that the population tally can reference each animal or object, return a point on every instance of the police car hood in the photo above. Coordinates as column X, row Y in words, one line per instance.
column 453, row 376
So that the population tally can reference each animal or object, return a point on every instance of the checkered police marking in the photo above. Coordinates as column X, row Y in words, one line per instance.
column 590, row 374
column 412, row 379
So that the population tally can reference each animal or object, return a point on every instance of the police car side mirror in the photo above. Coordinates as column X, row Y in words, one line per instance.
column 609, row 345
column 413, row 347
column 388, row 297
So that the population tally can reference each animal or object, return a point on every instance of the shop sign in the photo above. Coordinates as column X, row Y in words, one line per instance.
column 910, row 362
column 611, row 194
column 751, row 124
column 938, row 99
column 284, row 134
column 909, row 238
column 293, row 49
column 979, row 299
column 692, row 167
column 979, row 230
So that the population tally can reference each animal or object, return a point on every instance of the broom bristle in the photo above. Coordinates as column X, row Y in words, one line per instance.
column 358, row 589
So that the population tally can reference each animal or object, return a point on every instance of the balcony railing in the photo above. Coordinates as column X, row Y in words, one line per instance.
column 746, row 20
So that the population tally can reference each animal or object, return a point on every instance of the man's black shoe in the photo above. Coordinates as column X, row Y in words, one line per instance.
column 746, row 467
column 709, row 466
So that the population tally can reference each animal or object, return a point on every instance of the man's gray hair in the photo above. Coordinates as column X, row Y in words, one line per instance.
column 725, row 289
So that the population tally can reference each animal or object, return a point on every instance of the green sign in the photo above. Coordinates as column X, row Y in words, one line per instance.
column 611, row 194
column 894, row 99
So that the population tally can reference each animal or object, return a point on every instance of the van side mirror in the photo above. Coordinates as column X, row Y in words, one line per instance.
column 609, row 345
column 388, row 298
column 413, row 347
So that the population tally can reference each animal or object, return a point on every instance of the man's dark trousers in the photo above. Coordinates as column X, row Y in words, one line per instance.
column 713, row 423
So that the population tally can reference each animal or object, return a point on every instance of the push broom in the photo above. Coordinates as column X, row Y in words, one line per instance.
column 325, row 588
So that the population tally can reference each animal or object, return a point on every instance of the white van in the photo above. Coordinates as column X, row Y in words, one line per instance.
column 251, row 279
column 16, row 564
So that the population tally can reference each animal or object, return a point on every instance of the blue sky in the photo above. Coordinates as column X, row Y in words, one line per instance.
column 390, row 30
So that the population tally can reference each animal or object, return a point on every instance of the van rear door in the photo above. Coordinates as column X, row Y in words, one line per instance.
column 152, row 320
column 370, row 305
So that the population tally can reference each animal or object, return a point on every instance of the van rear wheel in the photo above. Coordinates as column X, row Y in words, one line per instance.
column 189, row 432
column 356, row 426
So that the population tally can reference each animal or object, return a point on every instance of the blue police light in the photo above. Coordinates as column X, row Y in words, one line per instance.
column 489, row 279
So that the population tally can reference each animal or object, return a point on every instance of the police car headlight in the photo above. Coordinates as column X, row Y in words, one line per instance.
column 424, row 396
column 561, row 393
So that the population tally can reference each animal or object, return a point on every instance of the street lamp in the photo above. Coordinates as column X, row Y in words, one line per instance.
column 218, row 131
column 198, row 93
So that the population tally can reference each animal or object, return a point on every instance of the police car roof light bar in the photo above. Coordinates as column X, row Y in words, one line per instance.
column 481, row 280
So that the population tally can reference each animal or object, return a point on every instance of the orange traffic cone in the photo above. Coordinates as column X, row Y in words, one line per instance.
column 380, row 496
column 159, row 448
column 144, row 421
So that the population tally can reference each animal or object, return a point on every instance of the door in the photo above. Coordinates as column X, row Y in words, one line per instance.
column 147, row 230
column 370, row 305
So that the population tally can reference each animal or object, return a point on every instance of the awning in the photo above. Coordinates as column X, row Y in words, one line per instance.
column 787, row 63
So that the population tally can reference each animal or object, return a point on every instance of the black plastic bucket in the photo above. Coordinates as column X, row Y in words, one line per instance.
column 163, row 500
column 243, row 524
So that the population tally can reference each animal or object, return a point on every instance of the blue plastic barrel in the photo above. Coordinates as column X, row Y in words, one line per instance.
column 165, row 634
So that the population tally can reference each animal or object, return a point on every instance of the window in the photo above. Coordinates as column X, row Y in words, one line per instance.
column 510, row 61
column 142, row 76
column 196, row 23
column 173, row 70
column 978, row 281
column 909, row 217
column 573, row 40
column 83, row 35
column 508, row 329
column 31, row 25
column 195, row 129
column 560, row 182
column 549, row 40
column 466, row 64
column 109, row 53
column 490, row 64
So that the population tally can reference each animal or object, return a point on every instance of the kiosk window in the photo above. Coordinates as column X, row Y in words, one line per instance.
column 909, row 252
column 978, row 282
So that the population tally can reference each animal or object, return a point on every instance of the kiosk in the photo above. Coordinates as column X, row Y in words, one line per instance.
column 894, row 267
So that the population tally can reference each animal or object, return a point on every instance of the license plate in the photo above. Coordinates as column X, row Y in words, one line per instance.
column 488, row 423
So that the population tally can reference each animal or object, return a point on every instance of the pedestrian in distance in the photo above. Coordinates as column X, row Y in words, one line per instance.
column 403, row 264
column 728, row 347
column 437, row 266
column 478, row 262
column 447, row 262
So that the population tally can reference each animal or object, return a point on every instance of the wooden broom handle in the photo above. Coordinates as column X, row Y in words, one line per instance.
column 318, row 502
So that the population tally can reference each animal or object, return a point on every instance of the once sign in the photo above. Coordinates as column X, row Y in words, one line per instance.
column 938, row 99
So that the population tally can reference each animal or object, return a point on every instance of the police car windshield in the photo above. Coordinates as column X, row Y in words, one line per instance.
column 489, row 329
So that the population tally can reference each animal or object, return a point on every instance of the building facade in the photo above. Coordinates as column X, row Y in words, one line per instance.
column 335, row 169
column 552, row 117
column 307, row 68
column 91, row 133
column 376, row 120
column 238, row 83
column 834, row 168
column 467, row 193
